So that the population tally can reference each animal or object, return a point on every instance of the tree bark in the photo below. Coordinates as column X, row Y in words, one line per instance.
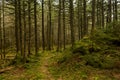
column 35, row 24
column 84, row 17
column 59, row 26
column 43, row 35
column 49, row 26
column 4, row 36
column 25, row 30
column 93, row 16
column 71, row 22
column 29, row 24
column 20, row 27
column 64, row 26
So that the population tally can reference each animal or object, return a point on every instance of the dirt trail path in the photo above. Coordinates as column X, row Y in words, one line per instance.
column 44, row 67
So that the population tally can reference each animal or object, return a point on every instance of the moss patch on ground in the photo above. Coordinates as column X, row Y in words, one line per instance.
column 93, row 58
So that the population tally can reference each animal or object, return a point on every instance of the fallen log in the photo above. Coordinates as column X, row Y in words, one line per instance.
column 6, row 69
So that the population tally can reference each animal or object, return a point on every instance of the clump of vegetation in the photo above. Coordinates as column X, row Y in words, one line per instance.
column 86, row 46
column 90, row 55
column 100, row 50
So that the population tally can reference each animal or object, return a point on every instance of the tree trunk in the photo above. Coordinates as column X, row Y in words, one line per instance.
column 71, row 22
column 43, row 35
column 59, row 26
column 109, row 11
column 4, row 36
column 93, row 16
column 84, row 17
column 103, row 14
column 20, row 27
column 49, row 26
column 35, row 24
column 24, row 24
column 29, row 24
column 16, row 26
column 64, row 26
column 116, row 11
column 79, row 36
column 1, row 46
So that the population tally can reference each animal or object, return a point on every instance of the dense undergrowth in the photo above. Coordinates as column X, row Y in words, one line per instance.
column 93, row 58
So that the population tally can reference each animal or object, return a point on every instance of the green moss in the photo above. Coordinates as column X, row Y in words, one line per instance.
column 90, row 55
column 1, row 78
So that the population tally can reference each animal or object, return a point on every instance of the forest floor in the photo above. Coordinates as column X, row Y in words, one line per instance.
column 50, row 66
column 37, row 69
